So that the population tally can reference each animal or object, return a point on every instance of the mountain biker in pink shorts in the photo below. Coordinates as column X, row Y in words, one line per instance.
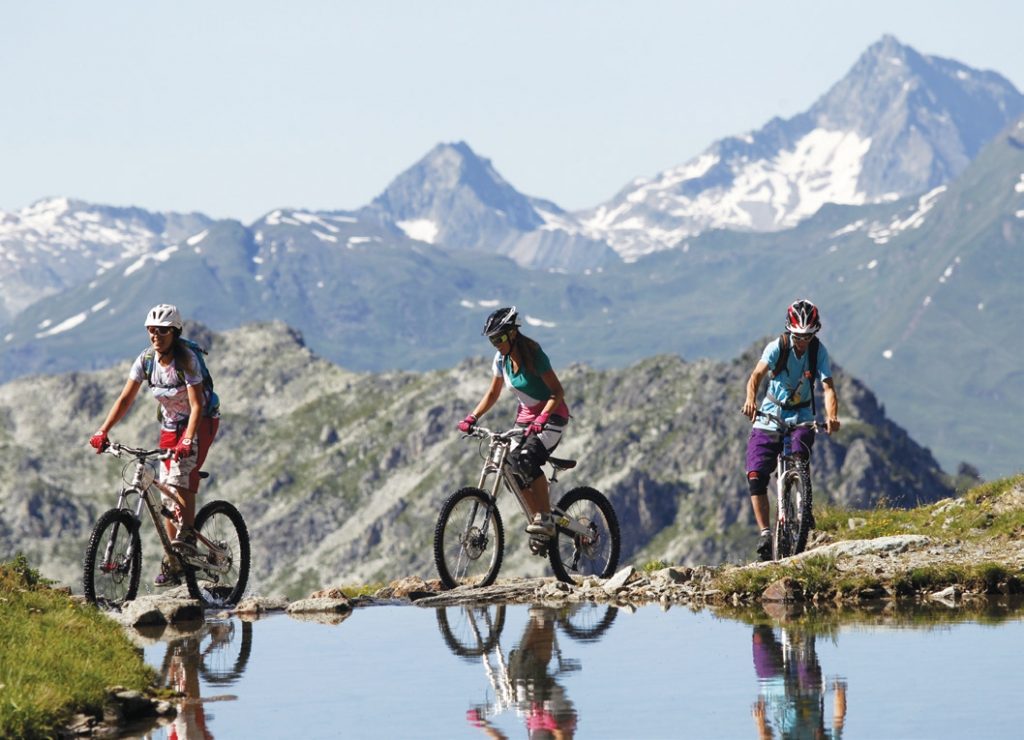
column 188, row 414
column 791, row 396
column 521, row 365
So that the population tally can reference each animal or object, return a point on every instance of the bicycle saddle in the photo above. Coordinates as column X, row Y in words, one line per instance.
column 561, row 463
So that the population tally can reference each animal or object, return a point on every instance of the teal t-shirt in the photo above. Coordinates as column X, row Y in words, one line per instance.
column 791, row 387
column 530, row 389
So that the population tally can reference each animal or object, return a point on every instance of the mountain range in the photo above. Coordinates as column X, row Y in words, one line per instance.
column 896, row 202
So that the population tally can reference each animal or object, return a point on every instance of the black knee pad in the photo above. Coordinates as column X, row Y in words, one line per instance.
column 758, row 485
column 530, row 456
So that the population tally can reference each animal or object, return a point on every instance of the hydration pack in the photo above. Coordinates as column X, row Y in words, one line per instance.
column 812, row 367
column 211, row 401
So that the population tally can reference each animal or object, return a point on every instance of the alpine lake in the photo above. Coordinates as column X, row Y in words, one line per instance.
column 599, row 671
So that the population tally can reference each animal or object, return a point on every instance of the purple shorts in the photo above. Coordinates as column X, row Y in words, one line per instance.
column 764, row 446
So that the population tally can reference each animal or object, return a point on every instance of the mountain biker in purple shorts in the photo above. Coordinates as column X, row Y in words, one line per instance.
column 521, row 365
column 791, row 396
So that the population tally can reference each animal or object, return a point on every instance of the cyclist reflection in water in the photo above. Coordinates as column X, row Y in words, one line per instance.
column 792, row 700
column 181, row 673
column 548, row 711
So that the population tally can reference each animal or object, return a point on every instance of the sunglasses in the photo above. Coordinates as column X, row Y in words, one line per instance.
column 801, row 337
column 500, row 339
column 160, row 330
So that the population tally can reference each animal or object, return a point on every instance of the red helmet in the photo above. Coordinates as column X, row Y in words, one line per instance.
column 802, row 318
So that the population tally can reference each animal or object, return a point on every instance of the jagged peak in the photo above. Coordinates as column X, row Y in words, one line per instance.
column 452, row 171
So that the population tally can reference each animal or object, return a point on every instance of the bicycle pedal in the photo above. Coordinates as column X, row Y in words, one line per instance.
column 539, row 546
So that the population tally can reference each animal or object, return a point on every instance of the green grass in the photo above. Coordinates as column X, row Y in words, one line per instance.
column 653, row 565
column 57, row 657
column 818, row 578
column 977, row 515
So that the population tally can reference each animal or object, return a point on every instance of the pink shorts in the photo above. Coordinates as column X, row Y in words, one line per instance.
column 184, row 473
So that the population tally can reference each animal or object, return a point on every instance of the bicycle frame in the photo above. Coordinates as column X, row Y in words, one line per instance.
column 497, row 464
column 785, row 462
column 148, row 489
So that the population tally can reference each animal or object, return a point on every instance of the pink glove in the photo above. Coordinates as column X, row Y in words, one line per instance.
column 183, row 448
column 537, row 425
column 466, row 425
column 99, row 441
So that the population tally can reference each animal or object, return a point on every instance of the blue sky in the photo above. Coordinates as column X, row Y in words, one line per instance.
column 235, row 108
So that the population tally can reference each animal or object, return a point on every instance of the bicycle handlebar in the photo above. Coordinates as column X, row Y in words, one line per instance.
column 117, row 450
column 477, row 431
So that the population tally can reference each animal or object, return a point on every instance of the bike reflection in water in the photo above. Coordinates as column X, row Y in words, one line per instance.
column 217, row 654
column 527, row 682
column 792, row 699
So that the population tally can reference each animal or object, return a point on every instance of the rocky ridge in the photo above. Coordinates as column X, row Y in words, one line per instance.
column 337, row 472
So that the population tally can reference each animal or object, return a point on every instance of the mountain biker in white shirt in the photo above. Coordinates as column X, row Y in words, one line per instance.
column 523, row 367
column 176, row 382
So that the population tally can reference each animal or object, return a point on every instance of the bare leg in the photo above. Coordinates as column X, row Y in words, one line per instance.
column 536, row 496
column 188, row 511
column 761, row 513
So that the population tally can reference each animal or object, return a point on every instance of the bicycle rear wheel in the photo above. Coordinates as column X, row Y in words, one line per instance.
column 469, row 539
column 587, row 622
column 595, row 555
column 113, row 560
column 224, row 581
column 223, row 654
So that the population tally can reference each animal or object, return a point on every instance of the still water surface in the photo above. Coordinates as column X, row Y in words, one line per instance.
column 598, row 672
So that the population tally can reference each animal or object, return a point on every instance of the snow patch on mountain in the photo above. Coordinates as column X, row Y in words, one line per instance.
column 65, row 325
column 162, row 256
column 767, row 194
column 534, row 321
column 421, row 229
column 883, row 233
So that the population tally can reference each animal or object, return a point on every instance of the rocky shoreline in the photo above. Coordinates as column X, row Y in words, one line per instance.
column 854, row 571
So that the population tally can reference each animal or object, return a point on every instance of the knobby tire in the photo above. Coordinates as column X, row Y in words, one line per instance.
column 791, row 534
column 463, row 554
column 111, row 585
column 570, row 557
column 221, row 522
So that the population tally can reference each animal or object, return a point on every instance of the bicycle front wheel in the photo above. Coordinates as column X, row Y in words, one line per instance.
column 594, row 554
column 793, row 522
column 113, row 560
column 469, row 539
column 471, row 631
column 223, row 579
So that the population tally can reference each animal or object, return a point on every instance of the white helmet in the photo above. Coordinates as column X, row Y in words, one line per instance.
column 164, row 315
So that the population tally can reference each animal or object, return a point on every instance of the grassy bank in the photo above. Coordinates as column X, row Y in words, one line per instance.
column 57, row 656
column 991, row 514
column 990, row 510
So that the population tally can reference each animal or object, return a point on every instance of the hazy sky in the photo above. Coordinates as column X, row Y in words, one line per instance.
column 234, row 108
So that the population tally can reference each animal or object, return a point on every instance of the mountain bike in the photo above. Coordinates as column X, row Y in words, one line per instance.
column 216, row 570
column 470, row 631
column 469, row 538
column 526, row 679
column 793, row 492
